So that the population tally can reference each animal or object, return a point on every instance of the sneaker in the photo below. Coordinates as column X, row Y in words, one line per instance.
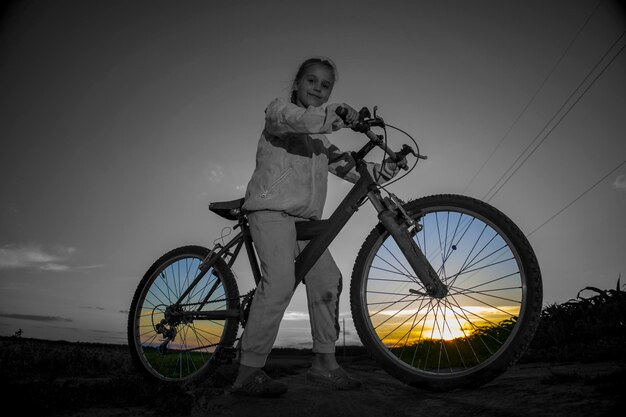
column 259, row 384
column 337, row 378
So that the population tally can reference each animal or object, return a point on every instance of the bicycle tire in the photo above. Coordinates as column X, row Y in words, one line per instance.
column 480, row 328
column 184, row 359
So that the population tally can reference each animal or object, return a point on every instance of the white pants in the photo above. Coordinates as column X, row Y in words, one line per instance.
column 274, row 235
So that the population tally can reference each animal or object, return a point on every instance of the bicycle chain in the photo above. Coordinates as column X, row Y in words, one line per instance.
column 248, row 294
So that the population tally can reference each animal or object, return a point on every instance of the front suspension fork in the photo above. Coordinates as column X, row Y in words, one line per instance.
column 392, row 219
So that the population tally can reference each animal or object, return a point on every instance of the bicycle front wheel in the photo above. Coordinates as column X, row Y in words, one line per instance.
column 181, row 349
column 484, row 323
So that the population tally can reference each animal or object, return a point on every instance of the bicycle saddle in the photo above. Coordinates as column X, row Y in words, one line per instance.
column 230, row 210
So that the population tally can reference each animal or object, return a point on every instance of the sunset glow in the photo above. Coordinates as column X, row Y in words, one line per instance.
column 406, row 327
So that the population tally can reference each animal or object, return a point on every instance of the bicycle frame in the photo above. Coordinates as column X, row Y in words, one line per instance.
column 320, row 234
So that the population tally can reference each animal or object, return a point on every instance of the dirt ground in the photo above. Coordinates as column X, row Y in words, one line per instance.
column 571, row 390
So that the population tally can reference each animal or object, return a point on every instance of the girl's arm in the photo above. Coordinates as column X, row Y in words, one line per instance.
column 283, row 117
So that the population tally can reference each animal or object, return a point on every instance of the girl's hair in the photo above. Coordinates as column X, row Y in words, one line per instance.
column 327, row 62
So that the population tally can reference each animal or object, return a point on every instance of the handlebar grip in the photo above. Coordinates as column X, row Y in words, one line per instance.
column 361, row 126
column 342, row 112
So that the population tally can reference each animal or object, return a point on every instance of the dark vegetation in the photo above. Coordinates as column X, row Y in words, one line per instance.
column 589, row 328
column 48, row 377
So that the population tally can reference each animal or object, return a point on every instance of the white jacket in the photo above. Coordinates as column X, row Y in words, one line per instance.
column 294, row 157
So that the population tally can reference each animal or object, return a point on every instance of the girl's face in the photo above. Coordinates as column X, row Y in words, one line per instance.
column 315, row 86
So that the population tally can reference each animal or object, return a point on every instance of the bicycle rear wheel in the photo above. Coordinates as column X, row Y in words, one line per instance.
column 178, row 350
column 480, row 327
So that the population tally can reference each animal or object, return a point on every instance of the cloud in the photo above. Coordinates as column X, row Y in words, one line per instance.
column 89, row 266
column 214, row 173
column 34, row 257
column 94, row 308
column 54, row 267
column 34, row 317
column 620, row 183
column 26, row 256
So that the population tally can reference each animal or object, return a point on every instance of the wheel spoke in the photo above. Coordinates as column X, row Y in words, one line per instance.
column 391, row 304
column 393, row 272
column 473, row 325
column 408, row 273
column 485, row 292
column 410, row 330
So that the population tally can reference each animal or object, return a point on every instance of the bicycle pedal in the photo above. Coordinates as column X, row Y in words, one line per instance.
column 227, row 355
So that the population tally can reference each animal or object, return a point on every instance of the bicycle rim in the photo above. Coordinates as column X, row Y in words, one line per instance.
column 178, row 350
column 475, row 325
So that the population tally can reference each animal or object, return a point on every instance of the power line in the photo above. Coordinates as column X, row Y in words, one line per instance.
column 532, row 99
column 555, row 115
column 577, row 198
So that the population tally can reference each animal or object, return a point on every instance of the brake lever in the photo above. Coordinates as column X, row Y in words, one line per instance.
column 364, row 114
column 376, row 120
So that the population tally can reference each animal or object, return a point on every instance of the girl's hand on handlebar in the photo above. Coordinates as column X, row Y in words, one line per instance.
column 352, row 116
column 393, row 167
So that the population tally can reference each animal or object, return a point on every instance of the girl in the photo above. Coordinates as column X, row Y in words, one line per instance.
column 287, row 186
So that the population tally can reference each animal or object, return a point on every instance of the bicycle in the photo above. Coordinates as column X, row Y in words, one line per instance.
column 446, row 290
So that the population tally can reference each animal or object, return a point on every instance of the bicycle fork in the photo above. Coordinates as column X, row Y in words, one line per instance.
column 397, row 222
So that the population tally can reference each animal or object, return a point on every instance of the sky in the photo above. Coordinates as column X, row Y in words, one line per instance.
column 121, row 120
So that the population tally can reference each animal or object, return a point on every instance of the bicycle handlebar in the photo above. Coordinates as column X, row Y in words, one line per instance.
column 364, row 126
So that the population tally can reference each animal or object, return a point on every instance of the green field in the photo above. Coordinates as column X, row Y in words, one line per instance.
column 176, row 364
